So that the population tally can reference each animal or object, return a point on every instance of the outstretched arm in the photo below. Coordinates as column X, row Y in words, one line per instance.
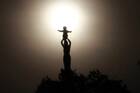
column 69, row 31
column 60, row 30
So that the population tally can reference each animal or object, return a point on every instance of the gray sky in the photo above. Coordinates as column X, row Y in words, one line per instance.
column 110, row 44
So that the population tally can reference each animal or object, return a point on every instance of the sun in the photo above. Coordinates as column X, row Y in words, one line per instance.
column 51, row 16
column 64, row 14
column 59, row 14
column 55, row 15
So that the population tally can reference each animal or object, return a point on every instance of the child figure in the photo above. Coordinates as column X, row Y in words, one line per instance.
column 65, row 31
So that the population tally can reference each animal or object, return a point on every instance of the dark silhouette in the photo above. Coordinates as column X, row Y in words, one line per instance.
column 71, row 82
column 65, row 31
column 66, row 58
column 66, row 44
column 95, row 82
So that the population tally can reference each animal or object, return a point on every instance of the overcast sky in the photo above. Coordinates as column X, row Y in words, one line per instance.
column 110, row 43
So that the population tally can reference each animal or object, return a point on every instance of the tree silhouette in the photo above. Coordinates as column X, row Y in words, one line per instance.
column 71, row 82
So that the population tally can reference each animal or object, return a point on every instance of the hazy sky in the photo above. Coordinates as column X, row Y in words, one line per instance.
column 108, row 40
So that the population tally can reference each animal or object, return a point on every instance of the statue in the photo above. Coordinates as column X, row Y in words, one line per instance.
column 94, row 82
column 65, row 31
column 66, row 44
column 71, row 82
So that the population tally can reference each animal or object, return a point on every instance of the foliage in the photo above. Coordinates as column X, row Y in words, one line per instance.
column 71, row 82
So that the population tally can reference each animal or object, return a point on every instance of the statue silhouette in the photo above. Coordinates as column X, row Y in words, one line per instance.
column 66, row 44
column 71, row 82
column 65, row 31
column 66, row 58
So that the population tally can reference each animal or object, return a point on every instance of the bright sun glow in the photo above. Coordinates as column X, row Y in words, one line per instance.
column 52, row 16
column 64, row 15
column 55, row 15
column 59, row 14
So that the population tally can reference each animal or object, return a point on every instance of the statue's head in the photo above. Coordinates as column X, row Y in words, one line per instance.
column 64, row 27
